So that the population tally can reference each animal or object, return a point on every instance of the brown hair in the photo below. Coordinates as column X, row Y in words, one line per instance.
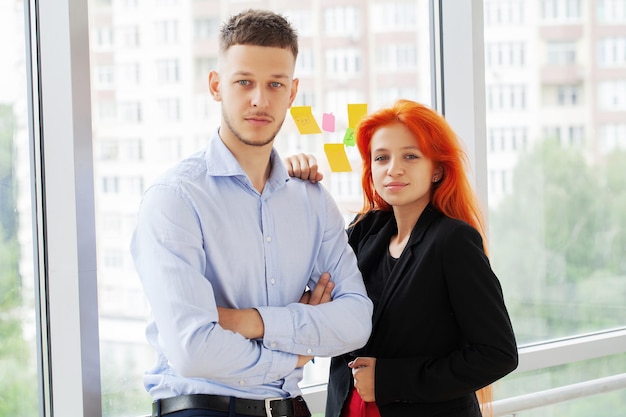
column 260, row 28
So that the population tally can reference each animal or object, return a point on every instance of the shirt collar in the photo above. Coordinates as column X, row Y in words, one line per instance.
column 221, row 162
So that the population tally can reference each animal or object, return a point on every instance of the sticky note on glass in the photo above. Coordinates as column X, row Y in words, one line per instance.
column 303, row 116
column 337, row 158
column 328, row 122
column 356, row 113
column 348, row 137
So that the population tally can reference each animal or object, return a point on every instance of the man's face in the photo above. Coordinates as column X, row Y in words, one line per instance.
column 255, row 86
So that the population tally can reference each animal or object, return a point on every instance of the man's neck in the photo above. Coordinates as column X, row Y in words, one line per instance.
column 255, row 160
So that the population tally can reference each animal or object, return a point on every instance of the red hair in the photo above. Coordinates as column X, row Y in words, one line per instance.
column 453, row 195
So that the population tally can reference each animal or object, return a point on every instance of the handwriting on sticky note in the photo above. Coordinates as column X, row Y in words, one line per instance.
column 328, row 122
column 306, row 123
column 337, row 158
column 356, row 113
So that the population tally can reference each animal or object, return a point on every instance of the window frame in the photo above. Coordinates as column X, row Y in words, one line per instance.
column 63, row 198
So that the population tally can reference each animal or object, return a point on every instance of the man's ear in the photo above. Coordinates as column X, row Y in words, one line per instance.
column 294, row 90
column 214, row 85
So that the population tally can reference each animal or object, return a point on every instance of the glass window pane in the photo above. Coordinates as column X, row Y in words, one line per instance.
column 19, row 380
column 556, row 158
column 606, row 404
column 151, row 108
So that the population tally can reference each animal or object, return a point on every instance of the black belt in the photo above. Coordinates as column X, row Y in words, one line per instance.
column 271, row 407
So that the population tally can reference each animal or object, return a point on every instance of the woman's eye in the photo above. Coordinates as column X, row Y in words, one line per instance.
column 243, row 82
column 380, row 158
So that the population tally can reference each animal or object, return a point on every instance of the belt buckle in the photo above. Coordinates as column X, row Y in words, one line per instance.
column 268, row 406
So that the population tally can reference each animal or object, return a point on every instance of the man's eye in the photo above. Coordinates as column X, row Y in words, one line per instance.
column 276, row 84
column 243, row 82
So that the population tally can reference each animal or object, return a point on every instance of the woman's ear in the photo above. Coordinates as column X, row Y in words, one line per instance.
column 437, row 174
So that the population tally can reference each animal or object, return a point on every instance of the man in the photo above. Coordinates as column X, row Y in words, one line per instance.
column 226, row 244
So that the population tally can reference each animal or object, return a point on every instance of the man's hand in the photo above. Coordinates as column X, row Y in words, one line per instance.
column 247, row 322
column 363, row 372
column 303, row 166
column 321, row 293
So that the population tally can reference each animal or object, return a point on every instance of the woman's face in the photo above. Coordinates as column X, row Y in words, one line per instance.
column 402, row 175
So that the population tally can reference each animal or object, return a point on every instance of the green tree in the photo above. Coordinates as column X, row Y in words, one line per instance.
column 544, row 245
column 17, row 389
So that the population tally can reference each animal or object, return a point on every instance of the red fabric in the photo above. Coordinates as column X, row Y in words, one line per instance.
column 356, row 407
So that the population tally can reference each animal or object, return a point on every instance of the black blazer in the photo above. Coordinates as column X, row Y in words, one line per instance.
column 441, row 330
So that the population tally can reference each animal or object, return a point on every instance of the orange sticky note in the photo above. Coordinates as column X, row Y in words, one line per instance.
column 337, row 158
column 356, row 113
column 306, row 123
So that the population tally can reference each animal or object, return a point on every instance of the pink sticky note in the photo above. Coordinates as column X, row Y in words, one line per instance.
column 328, row 122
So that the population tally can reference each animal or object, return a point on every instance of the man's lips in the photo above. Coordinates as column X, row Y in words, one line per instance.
column 259, row 120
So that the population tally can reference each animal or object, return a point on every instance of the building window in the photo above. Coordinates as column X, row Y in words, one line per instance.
column 612, row 95
column 303, row 21
column 103, row 38
column 611, row 11
column 612, row 52
column 108, row 150
column 343, row 63
column 132, row 150
column 505, row 54
column 167, row 71
column 396, row 57
column 561, row 11
column 506, row 97
column 166, row 32
column 128, row 73
column 206, row 28
column 393, row 16
column 305, row 65
column 561, row 53
column 567, row 95
column 104, row 77
column 342, row 21
column 612, row 137
column 169, row 109
column 128, row 36
column 129, row 112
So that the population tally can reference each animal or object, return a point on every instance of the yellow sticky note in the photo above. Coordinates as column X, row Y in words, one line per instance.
column 356, row 113
column 306, row 123
column 337, row 158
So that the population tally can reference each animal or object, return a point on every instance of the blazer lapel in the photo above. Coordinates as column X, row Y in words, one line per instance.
column 400, row 271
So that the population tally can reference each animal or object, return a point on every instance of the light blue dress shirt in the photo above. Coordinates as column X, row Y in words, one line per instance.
column 206, row 238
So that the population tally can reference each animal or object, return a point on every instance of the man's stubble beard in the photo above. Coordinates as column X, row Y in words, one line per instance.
column 246, row 141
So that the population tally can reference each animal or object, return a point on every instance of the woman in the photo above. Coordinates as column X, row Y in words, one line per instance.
column 441, row 330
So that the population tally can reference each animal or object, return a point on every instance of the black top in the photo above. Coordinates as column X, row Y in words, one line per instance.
column 441, row 330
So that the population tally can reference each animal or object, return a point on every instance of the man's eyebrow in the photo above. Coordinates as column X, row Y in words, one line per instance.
column 249, row 74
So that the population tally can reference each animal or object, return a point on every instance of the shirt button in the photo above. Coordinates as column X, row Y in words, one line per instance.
column 273, row 281
column 268, row 239
column 309, row 351
column 273, row 344
column 242, row 382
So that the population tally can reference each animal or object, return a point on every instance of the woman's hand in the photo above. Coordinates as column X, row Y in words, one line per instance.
column 303, row 166
column 321, row 293
column 363, row 370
